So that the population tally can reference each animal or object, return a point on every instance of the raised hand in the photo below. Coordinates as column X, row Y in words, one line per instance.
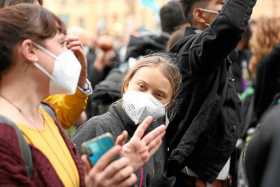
column 75, row 45
column 141, row 147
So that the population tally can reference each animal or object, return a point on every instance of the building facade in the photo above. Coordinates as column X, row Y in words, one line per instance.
column 123, row 16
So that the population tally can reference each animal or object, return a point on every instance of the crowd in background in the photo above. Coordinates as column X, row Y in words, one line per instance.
column 195, row 105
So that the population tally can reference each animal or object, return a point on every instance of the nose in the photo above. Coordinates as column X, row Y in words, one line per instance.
column 150, row 92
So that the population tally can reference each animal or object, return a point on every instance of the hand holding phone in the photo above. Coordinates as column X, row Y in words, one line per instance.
column 97, row 147
column 109, row 172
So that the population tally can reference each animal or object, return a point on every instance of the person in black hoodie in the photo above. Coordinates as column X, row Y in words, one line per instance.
column 149, row 89
column 205, row 126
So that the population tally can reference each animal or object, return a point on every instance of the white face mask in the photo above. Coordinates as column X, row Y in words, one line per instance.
column 66, row 72
column 139, row 105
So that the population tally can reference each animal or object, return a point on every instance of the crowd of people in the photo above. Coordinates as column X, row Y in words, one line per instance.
column 193, row 106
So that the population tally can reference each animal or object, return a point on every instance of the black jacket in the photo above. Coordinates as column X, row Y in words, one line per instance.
column 203, row 132
column 105, row 93
column 262, row 156
column 145, row 45
column 116, row 121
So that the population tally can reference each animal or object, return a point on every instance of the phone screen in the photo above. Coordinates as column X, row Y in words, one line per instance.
column 97, row 147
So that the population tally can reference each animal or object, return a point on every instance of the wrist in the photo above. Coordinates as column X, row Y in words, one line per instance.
column 132, row 162
column 86, row 88
column 82, row 83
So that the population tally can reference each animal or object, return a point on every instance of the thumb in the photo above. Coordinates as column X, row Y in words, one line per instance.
column 121, row 139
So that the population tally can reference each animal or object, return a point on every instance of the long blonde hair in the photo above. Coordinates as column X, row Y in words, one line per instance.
column 265, row 36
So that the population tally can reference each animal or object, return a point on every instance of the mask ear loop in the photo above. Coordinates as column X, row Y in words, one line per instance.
column 45, row 50
column 210, row 12
column 41, row 68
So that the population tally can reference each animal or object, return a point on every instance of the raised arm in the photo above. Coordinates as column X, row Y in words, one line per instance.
column 205, row 51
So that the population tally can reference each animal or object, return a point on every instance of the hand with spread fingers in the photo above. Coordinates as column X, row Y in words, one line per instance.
column 141, row 147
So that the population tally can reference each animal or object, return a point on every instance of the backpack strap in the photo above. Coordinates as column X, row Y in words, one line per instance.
column 49, row 110
column 24, row 147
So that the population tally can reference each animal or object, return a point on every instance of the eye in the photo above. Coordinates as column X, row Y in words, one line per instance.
column 141, row 86
column 63, row 43
column 159, row 96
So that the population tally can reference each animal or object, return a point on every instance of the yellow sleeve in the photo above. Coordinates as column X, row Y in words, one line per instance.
column 68, row 108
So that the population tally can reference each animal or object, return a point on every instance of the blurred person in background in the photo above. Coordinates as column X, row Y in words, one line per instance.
column 259, row 121
column 106, row 59
column 259, row 162
column 171, row 17
column 244, row 55
column 265, row 36
column 261, row 156
column 32, row 46
column 102, row 58
column 264, row 68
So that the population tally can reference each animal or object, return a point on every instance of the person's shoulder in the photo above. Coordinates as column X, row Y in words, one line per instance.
column 8, row 138
column 7, row 132
column 273, row 113
column 101, row 120
column 98, row 124
column 94, row 127
column 270, row 120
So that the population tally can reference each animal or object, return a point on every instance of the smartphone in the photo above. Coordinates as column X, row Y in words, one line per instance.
column 97, row 147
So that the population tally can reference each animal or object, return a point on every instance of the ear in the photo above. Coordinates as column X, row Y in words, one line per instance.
column 28, row 51
column 199, row 16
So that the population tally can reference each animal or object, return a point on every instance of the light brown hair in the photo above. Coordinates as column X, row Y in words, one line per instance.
column 166, row 66
column 265, row 36
column 24, row 21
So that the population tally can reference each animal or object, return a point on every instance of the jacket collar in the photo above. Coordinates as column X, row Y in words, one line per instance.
column 117, row 110
column 192, row 30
